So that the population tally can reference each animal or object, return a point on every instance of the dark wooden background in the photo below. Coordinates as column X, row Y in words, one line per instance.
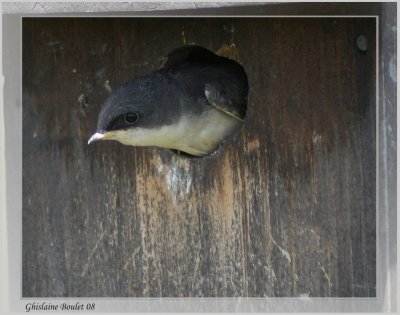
column 285, row 208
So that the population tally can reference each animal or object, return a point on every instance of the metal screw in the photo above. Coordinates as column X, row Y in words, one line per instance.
column 362, row 43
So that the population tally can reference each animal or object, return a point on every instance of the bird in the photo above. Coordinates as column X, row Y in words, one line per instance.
column 191, row 105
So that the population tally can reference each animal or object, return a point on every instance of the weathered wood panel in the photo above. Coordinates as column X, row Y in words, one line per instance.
column 285, row 208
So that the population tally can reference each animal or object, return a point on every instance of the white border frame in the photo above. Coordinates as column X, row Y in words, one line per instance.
column 188, row 304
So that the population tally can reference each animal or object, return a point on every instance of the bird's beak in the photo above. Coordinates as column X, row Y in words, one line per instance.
column 106, row 135
column 96, row 136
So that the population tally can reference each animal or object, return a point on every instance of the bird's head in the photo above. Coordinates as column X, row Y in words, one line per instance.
column 134, row 114
column 191, row 105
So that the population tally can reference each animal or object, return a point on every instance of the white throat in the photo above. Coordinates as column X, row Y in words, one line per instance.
column 192, row 134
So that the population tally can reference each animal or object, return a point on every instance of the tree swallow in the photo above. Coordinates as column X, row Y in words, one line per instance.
column 191, row 105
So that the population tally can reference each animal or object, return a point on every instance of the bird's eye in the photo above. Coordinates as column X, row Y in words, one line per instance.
column 131, row 117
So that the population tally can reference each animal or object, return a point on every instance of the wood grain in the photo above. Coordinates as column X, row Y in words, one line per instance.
column 284, row 208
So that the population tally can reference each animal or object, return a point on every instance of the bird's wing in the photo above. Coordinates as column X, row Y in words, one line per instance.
column 228, row 88
column 229, row 99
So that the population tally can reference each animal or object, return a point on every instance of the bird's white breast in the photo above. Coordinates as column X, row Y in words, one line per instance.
column 196, row 135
